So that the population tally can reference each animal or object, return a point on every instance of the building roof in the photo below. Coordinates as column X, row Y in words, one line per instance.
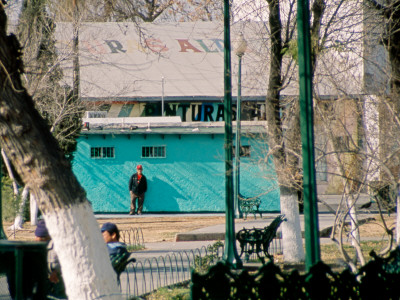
column 177, row 61
column 185, row 62
column 163, row 125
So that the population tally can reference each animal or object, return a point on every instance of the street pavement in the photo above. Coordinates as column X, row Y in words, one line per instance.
column 203, row 237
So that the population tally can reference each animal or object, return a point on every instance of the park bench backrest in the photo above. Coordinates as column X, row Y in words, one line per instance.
column 258, row 240
column 270, row 231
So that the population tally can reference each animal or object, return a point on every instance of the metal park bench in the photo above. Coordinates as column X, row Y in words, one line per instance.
column 249, row 205
column 257, row 240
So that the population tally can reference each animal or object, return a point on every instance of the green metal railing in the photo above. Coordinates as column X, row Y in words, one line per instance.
column 25, row 266
column 378, row 279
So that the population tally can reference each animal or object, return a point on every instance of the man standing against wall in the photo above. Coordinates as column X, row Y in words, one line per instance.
column 137, row 188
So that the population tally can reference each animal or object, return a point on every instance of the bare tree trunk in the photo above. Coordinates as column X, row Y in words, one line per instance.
column 398, row 215
column 371, row 130
column 75, row 50
column 284, row 161
column 19, row 219
column 292, row 241
column 355, row 232
column 34, row 209
column 10, row 172
column 34, row 152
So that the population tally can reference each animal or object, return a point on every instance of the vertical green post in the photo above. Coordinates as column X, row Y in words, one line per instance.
column 230, row 253
column 2, row 233
column 307, row 135
column 238, row 213
column 18, row 254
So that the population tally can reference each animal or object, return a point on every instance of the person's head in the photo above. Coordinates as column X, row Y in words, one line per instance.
column 41, row 233
column 139, row 169
column 110, row 232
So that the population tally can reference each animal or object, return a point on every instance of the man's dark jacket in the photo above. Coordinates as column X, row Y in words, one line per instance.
column 136, row 187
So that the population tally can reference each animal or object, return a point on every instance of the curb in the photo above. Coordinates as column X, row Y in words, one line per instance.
column 190, row 237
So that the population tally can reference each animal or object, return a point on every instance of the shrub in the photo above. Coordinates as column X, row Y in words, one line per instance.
column 201, row 264
column 10, row 203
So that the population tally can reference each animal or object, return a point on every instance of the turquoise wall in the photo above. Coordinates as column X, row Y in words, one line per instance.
column 190, row 179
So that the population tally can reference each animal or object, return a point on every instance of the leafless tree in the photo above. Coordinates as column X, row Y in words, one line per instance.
column 42, row 78
column 27, row 141
column 337, row 48
column 43, row 75
column 140, row 11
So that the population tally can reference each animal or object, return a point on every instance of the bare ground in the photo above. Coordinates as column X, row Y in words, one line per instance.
column 158, row 229
column 155, row 229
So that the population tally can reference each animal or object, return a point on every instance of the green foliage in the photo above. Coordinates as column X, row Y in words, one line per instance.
column 291, row 50
column 202, row 264
column 133, row 248
column 175, row 293
column 10, row 203
column 331, row 255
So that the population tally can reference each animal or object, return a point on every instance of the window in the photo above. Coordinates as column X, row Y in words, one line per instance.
column 102, row 152
column 321, row 164
column 153, row 151
column 321, row 169
column 244, row 151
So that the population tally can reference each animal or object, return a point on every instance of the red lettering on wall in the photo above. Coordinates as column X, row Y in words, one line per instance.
column 94, row 49
column 156, row 45
column 186, row 45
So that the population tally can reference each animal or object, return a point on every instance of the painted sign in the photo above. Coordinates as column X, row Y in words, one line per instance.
column 189, row 112
column 155, row 45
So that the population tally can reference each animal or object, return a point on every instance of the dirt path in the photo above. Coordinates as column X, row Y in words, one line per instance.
column 158, row 229
column 155, row 229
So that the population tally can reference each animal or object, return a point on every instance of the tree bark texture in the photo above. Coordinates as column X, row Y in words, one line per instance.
column 272, row 107
column 282, row 143
column 35, row 154
column 34, row 209
column 19, row 219
column 391, row 40
column 292, row 241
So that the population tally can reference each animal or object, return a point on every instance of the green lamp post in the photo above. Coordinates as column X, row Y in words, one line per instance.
column 307, row 135
column 230, row 252
column 239, row 51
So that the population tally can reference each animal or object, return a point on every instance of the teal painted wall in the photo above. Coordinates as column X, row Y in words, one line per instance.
column 190, row 179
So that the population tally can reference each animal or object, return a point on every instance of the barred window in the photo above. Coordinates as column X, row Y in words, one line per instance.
column 102, row 152
column 153, row 152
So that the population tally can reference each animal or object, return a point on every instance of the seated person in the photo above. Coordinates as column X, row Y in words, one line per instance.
column 35, row 277
column 110, row 234
column 56, row 285
column 119, row 255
